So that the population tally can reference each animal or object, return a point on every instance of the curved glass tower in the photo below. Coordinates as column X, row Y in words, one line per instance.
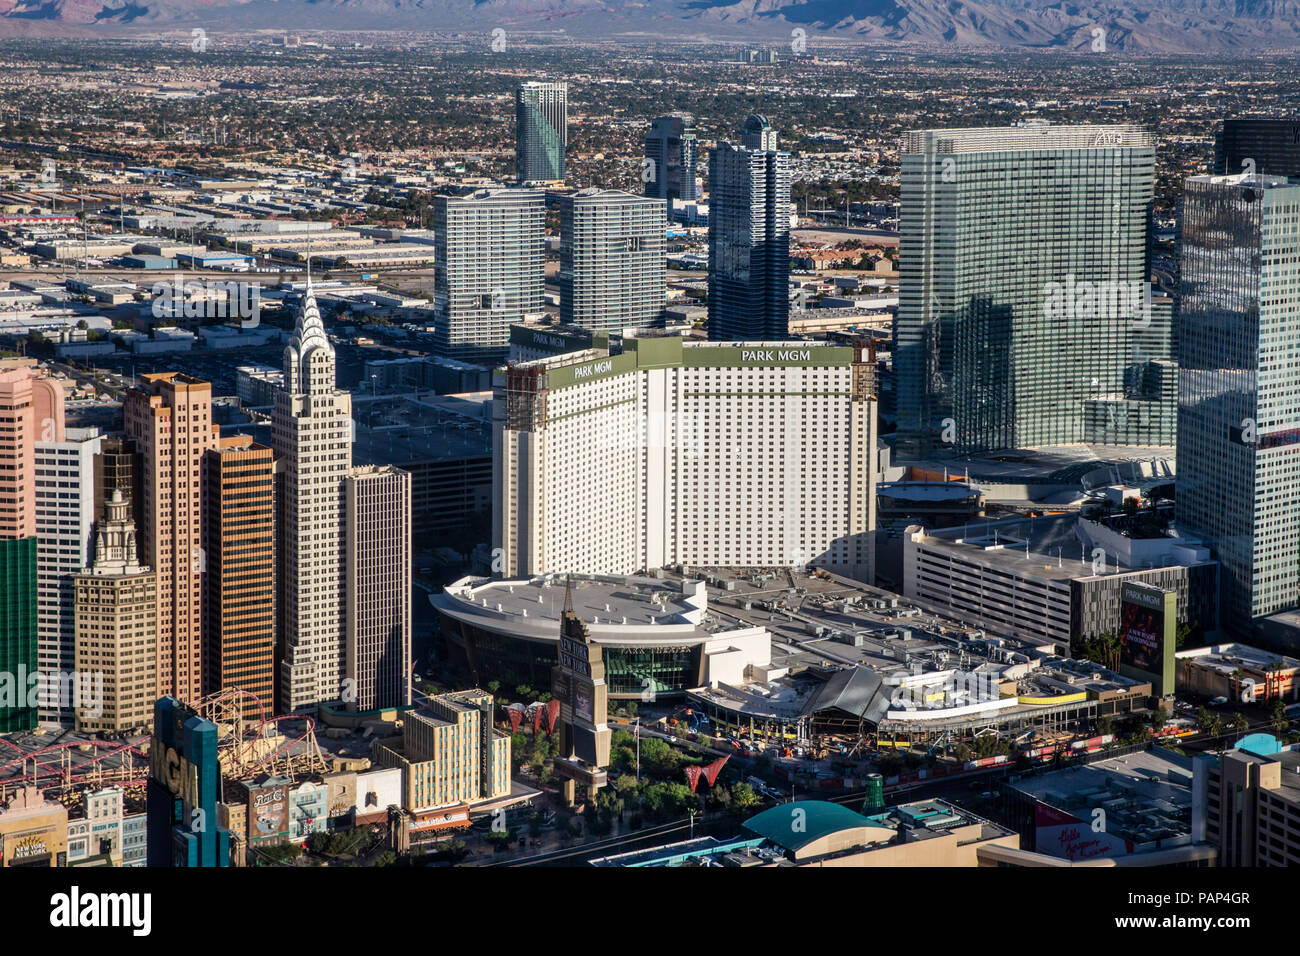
column 541, row 131
column 1022, row 283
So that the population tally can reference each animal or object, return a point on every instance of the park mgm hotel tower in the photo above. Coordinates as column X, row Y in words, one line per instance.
column 717, row 454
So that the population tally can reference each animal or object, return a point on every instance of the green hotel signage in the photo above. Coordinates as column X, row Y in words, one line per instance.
column 590, row 371
column 767, row 356
column 669, row 353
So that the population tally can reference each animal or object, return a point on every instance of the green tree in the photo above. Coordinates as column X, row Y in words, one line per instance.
column 718, row 797
column 743, row 797
column 1239, row 723
column 1214, row 727
column 1277, row 719
column 1203, row 717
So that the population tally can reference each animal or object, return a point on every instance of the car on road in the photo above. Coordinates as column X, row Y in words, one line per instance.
column 672, row 739
column 1218, row 701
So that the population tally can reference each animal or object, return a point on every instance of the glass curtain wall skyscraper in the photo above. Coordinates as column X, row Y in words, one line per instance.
column 670, row 151
column 1022, row 284
column 1238, row 405
column 1257, row 145
column 749, row 237
column 489, row 264
column 613, row 270
column 541, row 131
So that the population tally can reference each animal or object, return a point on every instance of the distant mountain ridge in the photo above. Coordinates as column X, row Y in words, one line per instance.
column 1134, row 26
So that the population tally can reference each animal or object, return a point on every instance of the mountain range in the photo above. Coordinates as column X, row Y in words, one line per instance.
column 1133, row 26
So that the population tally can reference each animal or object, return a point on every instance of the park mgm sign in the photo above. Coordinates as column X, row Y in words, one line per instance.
column 578, row 683
column 1148, row 634
column 183, row 790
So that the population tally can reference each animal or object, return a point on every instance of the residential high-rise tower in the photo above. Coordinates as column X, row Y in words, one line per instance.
column 65, row 517
column 239, row 593
column 489, row 265
column 613, row 267
column 378, row 608
column 1258, row 145
column 749, row 237
column 541, row 131
column 116, row 617
column 31, row 409
column 670, row 149
column 170, row 418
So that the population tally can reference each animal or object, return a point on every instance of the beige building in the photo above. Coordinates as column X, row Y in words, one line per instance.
column 33, row 830
column 170, row 418
column 449, row 752
column 1251, row 806
column 378, row 592
column 115, row 629
column 311, row 430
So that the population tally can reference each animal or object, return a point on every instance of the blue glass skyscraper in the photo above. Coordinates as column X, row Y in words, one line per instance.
column 749, row 237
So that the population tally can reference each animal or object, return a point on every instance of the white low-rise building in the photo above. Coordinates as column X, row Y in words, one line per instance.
column 657, row 635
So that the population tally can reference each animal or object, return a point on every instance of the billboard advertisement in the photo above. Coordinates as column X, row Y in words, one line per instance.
column 1063, row 835
column 268, row 814
column 582, row 703
column 1147, row 641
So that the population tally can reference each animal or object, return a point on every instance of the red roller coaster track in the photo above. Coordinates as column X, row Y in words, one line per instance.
column 106, row 760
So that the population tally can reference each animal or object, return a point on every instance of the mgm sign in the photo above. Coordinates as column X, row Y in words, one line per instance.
column 183, row 791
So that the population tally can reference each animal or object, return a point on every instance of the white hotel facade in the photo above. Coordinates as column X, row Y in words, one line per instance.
column 728, row 454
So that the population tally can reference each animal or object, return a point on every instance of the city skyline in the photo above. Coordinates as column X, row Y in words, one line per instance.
column 503, row 449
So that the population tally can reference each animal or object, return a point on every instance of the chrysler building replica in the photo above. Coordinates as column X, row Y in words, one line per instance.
column 311, row 432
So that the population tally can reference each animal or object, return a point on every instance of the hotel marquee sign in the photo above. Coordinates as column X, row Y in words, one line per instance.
column 724, row 356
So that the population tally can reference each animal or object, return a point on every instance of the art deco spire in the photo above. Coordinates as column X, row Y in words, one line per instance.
column 309, row 356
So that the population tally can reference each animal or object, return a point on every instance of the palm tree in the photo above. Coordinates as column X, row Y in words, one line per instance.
column 1277, row 720
column 1109, row 647
column 1212, row 724
column 1235, row 684
column 1272, row 678
column 1239, row 723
